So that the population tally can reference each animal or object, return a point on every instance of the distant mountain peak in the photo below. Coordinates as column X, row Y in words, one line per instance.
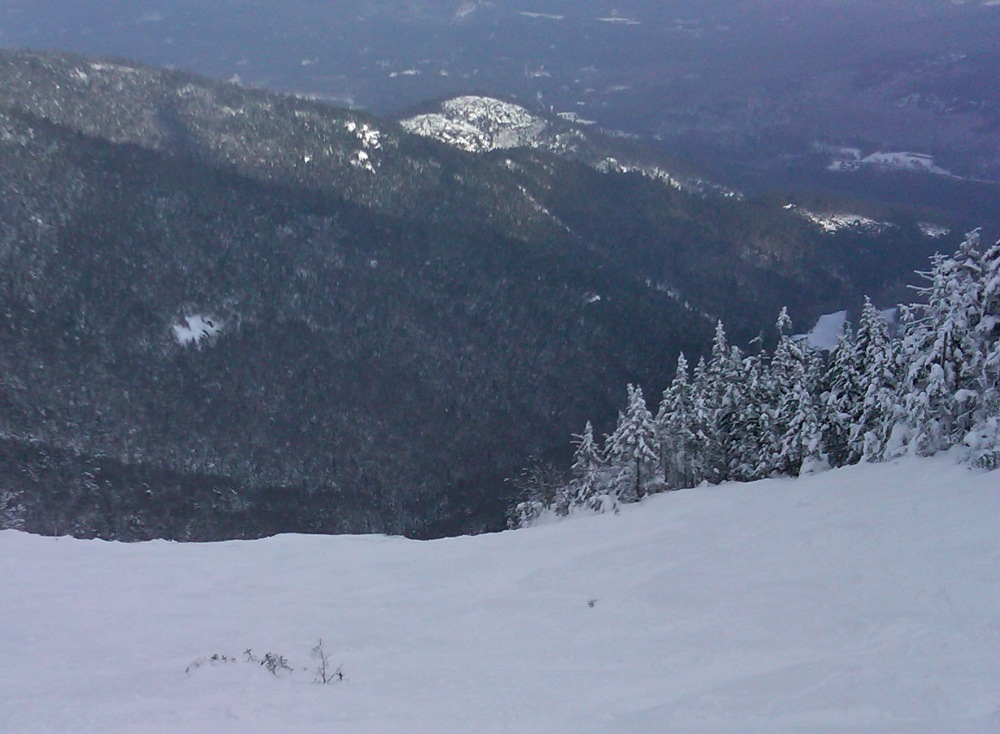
column 479, row 124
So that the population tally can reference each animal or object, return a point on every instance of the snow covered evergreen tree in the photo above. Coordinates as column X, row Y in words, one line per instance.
column 842, row 401
column 754, row 404
column 984, row 438
column 719, row 395
column 11, row 511
column 797, row 422
column 634, row 452
column 588, row 486
column 988, row 328
column 879, row 368
column 942, row 351
column 747, row 417
column 701, row 422
column 676, row 424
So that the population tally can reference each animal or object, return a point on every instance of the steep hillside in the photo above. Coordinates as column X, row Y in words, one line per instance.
column 314, row 320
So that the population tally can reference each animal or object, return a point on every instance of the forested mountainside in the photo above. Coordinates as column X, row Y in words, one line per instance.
column 877, row 396
column 227, row 313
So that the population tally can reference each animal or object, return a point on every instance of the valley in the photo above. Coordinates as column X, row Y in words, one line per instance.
column 314, row 320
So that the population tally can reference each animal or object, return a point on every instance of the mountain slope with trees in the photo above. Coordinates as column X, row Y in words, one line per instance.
column 303, row 318
column 875, row 397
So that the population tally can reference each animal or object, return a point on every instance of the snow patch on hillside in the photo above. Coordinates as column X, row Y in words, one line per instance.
column 197, row 329
column 934, row 230
column 543, row 16
column 613, row 165
column 482, row 124
column 827, row 330
column 369, row 137
column 691, row 185
column 899, row 160
column 834, row 222
column 618, row 20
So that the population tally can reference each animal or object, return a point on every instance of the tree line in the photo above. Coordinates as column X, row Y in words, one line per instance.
column 923, row 384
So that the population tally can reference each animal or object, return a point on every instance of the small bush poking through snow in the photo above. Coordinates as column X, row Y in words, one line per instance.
column 272, row 661
column 276, row 664
column 324, row 671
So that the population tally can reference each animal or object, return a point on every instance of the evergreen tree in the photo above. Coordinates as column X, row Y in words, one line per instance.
column 942, row 351
column 748, row 417
column 538, row 487
column 796, row 425
column 677, row 427
column 634, row 452
column 720, row 405
column 754, row 414
column 984, row 438
column 842, row 401
column 988, row 328
column 701, row 423
column 588, row 463
column 881, row 406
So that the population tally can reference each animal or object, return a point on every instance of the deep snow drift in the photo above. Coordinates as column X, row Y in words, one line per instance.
column 865, row 599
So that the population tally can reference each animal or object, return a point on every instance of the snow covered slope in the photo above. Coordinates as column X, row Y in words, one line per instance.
column 865, row 599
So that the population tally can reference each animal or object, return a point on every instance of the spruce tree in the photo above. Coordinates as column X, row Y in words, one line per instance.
column 984, row 438
column 701, row 423
column 634, row 452
column 720, row 396
column 796, row 426
column 751, row 442
column 842, row 401
column 677, row 427
column 942, row 351
column 881, row 403
column 988, row 328
column 588, row 463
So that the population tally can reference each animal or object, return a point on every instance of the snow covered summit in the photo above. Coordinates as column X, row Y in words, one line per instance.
column 479, row 124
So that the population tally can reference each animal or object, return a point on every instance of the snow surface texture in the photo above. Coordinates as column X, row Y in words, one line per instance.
column 860, row 600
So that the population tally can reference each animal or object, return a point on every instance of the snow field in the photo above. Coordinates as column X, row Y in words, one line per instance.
column 863, row 599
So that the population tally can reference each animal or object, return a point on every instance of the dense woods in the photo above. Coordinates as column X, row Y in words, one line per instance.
column 927, row 383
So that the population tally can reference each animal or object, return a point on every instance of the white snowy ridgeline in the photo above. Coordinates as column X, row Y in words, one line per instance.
column 862, row 600
column 835, row 222
column 478, row 124
column 900, row 160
